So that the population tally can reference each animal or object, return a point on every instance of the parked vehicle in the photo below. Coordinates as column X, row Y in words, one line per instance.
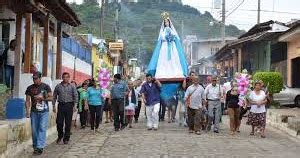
column 288, row 96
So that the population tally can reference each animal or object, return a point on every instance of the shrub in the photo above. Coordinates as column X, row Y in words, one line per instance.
column 273, row 80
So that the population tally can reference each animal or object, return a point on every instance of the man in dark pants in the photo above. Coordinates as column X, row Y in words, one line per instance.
column 162, row 109
column 66, row 95
column 119, row 90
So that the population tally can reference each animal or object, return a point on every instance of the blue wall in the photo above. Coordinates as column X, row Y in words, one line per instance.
column 73, row 47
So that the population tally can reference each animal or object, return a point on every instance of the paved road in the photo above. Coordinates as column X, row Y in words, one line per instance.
column 173, row 141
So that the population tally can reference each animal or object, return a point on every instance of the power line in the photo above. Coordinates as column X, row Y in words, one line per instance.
column 233, row 5
column 270, row 11
column 236, row 8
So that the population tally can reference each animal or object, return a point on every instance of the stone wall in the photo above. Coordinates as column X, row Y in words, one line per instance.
column 3, row 99
column 286, row 120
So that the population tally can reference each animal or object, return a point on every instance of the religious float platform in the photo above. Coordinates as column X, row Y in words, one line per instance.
column 170, row 80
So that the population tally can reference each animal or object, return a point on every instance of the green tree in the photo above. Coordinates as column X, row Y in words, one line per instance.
column 139, row 23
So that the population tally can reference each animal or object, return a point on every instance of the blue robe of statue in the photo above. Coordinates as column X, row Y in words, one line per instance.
column 168, row 60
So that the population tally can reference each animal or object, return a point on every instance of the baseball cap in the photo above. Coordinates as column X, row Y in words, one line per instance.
column 36, row 75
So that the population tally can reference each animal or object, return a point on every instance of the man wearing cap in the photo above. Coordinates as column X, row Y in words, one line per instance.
column 37, row 96
column 213, row 94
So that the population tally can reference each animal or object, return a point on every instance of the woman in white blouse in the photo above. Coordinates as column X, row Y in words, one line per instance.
column 257, row 115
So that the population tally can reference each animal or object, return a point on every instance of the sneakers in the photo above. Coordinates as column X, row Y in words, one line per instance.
column 123, row 127
column 38, row 151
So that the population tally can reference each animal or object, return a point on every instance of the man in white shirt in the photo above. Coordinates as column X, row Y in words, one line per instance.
column 138, row 107
column 213, row 95
column 195, row 96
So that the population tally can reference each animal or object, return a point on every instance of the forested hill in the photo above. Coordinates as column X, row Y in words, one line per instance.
column 139, row 23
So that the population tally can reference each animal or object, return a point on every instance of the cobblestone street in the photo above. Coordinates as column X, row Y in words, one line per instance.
column 172, row 141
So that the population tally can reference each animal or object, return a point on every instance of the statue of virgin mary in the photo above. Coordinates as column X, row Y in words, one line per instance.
column 168, row 60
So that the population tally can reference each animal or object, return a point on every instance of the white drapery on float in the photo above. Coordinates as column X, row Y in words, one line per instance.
column 168, row 62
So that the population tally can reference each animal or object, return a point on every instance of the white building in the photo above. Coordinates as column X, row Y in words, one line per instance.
column 199, row 51
column 204, row 48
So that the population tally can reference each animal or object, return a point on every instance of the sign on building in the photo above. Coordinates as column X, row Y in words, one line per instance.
column 116, row 46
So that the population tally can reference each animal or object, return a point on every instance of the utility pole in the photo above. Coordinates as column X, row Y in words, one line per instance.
column 102, row 19
column 258, row 12
column 116, row 19
column 223, row 23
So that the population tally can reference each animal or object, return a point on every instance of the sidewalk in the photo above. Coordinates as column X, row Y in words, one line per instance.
column 287, row 120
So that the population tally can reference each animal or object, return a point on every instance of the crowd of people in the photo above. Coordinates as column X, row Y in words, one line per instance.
column 199, row 106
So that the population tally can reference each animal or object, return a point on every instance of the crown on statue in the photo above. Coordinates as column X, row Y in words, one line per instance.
column 165, row 15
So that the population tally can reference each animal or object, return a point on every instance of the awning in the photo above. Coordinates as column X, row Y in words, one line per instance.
column 20, row 6
column 61, row 11
column 58, row 8
column 292, row 34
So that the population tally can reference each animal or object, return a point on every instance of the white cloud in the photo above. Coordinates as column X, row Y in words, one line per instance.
column 246, row 15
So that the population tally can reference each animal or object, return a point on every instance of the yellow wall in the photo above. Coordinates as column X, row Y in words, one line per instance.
column 95, row 60
column 107, row 60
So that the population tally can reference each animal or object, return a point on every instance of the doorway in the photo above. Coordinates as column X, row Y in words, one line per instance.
column 4, row 41
column 296, row 72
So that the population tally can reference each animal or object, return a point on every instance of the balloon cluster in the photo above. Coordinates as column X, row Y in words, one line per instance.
column 243, row 82
column 104, row 78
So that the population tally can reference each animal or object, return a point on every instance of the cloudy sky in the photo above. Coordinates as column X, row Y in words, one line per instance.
column 245, row 16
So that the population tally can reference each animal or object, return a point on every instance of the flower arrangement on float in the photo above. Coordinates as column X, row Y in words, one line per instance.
column 104, row 79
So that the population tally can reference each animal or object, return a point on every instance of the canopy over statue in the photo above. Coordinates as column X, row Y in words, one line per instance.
column 168, row 60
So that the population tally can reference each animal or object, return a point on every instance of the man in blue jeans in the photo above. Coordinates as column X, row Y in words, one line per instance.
column 37, row 96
